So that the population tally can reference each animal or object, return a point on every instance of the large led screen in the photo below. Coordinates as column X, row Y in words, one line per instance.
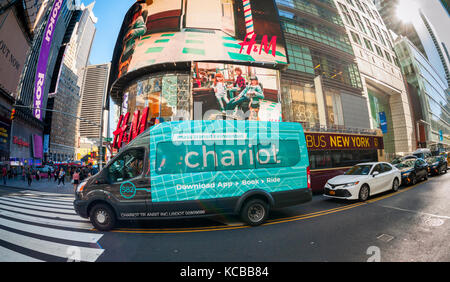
column 170, row 31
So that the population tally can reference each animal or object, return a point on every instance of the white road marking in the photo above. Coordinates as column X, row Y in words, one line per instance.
column 50, row 248
column 7, row 255
column 36, row 207
column 42, row 213
column 47, row 221
column 52, row 232
column 417, row 212
column 26, row 201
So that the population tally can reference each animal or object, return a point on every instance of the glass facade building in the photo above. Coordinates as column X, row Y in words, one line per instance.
column 383, row 85
column 431, row 93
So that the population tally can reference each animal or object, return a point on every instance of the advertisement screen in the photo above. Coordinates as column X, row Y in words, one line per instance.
column 168, row 31
column 13, row 51
column 236, row 91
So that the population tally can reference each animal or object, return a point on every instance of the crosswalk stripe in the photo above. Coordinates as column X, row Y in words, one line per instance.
column 50, row 248
column 37, row 208
column 41, row 193
column 52, row 232
column 10, row 256
column 42, row 213
column 47, row 221
column 24, row 201
column 45, row 199
column 42, row 201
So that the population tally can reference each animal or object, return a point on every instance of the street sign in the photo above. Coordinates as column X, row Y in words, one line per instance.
column 108, row 139
column 383, row 122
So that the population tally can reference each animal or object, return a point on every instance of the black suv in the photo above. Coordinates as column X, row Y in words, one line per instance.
column 437, row 165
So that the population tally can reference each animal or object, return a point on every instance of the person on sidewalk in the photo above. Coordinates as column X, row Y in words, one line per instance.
column 61, row 176
column 49, row 174
column 29, row 176
column 4, row 175
column 76, row 179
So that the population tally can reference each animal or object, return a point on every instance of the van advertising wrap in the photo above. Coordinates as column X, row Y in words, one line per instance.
column 225, row 159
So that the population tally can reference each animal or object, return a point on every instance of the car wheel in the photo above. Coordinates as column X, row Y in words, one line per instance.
column 413, row 179
column 425, row 177
column 364, row 193
column 102, row 217
column 395, row 185
column 255, row 212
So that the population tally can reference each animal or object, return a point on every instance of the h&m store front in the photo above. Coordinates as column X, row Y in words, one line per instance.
column 172, row 63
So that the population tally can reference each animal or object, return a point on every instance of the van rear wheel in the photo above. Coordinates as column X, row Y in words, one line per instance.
column 102, row 217
column 255, row 212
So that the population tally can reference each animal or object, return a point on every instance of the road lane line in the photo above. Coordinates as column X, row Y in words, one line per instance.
column 52, row 232
column 47, row 247
column 416, row 212
column 42, row 213
column 10, row 256
column 46, row 221
column 38, row 208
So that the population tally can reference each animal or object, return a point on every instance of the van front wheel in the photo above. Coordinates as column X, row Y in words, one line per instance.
column 255, row 212
column 102, row 217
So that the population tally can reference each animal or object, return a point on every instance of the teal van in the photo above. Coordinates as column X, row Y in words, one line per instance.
column 200, row 168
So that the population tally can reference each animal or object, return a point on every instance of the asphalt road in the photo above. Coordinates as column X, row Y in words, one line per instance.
column 410, row 225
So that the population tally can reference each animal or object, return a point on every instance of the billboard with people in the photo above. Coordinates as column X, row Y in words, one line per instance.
column 170, row 31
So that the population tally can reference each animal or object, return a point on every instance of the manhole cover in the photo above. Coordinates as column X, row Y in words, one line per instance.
column 385, row 237
column 434, row 221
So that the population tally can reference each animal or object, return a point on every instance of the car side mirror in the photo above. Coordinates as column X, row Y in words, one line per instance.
column 375, row 173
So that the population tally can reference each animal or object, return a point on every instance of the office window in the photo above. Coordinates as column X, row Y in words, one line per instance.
column 347, row 17
column 388, row 56
column 378, row 49
column 368, row 44
column 355, row 38
column 359, row 21
column 300, row 58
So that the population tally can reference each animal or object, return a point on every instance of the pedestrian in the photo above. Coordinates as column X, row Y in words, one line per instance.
column 76, row 179
column 61, row 176
column 29, row 176
column 49, row 174
column 4, row 174
column 55, row 175
column 37, row 174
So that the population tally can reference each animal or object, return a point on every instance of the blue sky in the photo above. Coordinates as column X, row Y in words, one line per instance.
column 110, row 14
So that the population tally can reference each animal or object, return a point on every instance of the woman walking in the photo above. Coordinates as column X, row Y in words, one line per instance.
column 61, row 176
column 76, row 179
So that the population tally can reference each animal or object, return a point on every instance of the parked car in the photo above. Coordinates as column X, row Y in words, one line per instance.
column 413, row 170
column 422, row 153
column 437, row 165
column 364, row 180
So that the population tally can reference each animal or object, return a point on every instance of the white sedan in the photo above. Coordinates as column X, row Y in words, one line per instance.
column 364, row 180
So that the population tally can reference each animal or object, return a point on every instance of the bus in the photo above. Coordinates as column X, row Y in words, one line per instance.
column 200, row 168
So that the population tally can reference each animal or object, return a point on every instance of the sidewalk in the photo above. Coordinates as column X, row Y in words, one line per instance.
column 42, row 185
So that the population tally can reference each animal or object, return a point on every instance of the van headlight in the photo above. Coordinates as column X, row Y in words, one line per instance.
column 80, row 186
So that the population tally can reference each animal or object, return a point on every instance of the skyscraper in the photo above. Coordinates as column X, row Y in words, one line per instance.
column 36, row 80
column 382, row 79
column 93, row 99
column 62, row 126
column 418, row 29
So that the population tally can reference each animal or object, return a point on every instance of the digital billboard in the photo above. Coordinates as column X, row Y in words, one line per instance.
column 170, row 31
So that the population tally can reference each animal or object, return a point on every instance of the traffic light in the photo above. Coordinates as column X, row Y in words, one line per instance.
column 13, row 113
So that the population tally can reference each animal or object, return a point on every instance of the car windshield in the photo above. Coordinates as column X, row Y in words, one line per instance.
column 405, row 164
column 359, row 170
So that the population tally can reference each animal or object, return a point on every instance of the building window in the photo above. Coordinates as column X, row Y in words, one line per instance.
column 300, row 58
column 303, row 103
column 379, row 51
column 369, row 26
column 368, row 44
column 388, row 56
column 359, row 21
column 334, row 107
column 356, row 38
column 347, row 17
